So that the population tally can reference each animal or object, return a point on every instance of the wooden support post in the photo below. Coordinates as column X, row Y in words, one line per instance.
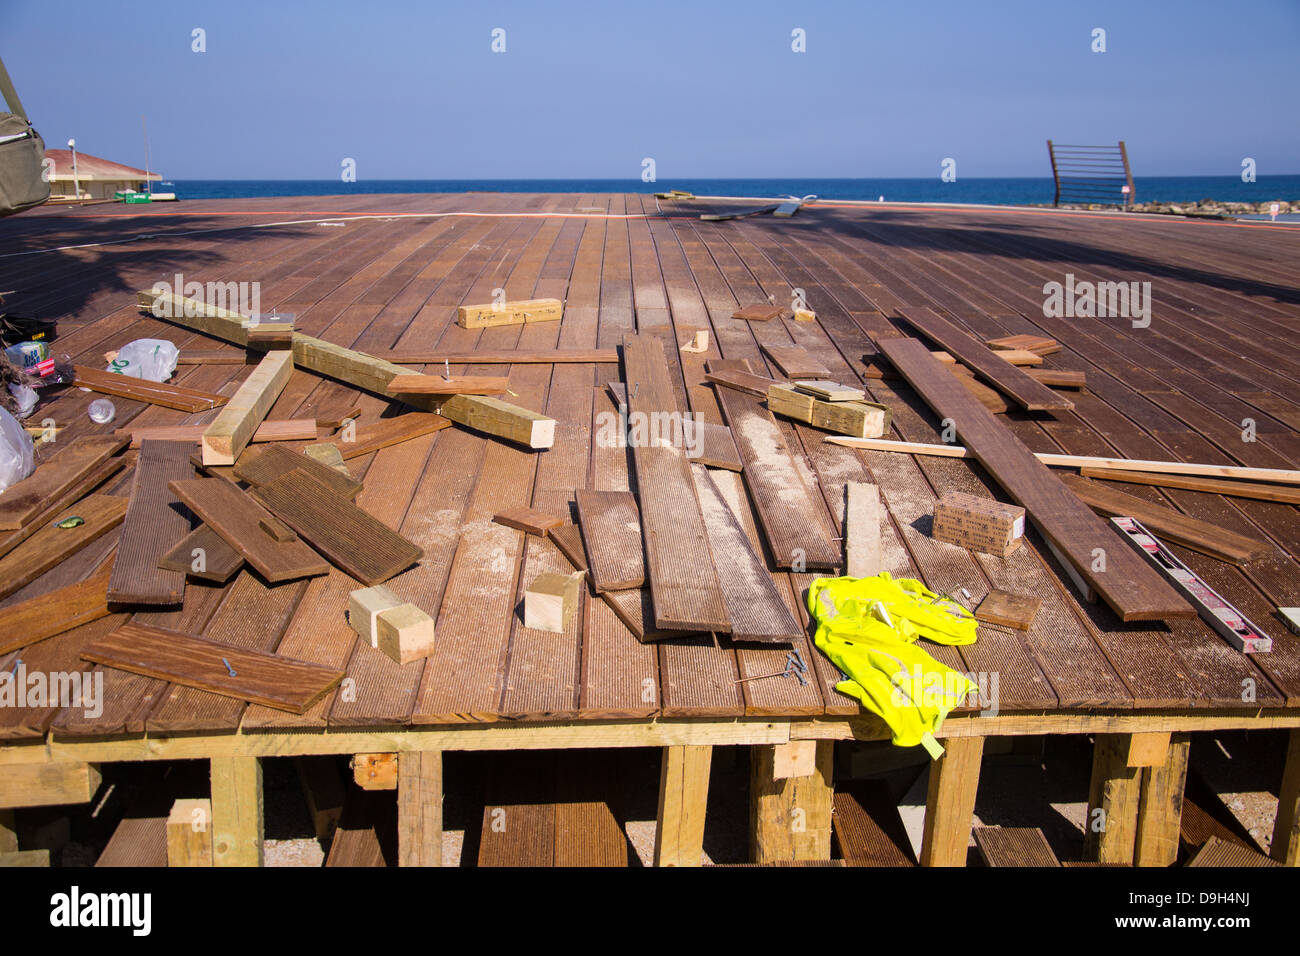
column 189, row 833
column 419, row 808
column 237, row 827
column 8, row 832
column 789, row 816
column 1286, row 828
column 683, row 798
column 950, row 802
column 1160, row 810
column 1110, row 829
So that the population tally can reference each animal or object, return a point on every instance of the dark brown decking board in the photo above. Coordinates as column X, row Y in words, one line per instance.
column 49, row 548
column 611, row 535
column 868, row 828
column 220, row 560
column 267, row 463
column 23, row 501
column 155, row 521
column 1014, row 846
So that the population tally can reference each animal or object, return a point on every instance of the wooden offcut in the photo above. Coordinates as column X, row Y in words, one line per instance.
column 364, row 606
column 261, row 466
column 237, row 519
column 260, row 678
column 60, row 610
column 154, row 523
column 357, row 440
column 232, row 430
column 741, row 380
column 520, row 312
column 1217, row 486
column 763, row 312
column 23, row 501
column 291, row 429
column 203, row 554
column 1129, row 585
column 551, row 600
column 416, row 384
column 404, row 633
column 528, row 520
column 50, row 545
column 189, row 833
column 351, row 538
column 1008, row 610
column 829, row 391
column 142, row 390
column 1038, row 344
column 611, row 535
column 794, row 362
column 1058, row 377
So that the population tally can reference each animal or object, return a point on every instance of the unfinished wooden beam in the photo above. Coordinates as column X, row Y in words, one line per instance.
column 789, row 811
column 520, row 312
column 189, row 833
column 291, row 429
column 237, row 811
column 419, row 808
column 861, row 529
column 48, row 784
column 232, row 430
column 499, row 418
column 683, row 800
column 950, row 802
column 1286, row 825
column 1148, row 750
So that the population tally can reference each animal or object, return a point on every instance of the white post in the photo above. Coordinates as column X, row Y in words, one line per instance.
column 76, row 183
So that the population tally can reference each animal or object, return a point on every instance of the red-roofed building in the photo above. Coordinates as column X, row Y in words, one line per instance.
column 97, row 178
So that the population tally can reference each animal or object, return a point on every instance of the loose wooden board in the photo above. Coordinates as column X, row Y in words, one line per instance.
column 58, row 503
column 611, row 535
column 716, row 446
column 1009, row 610
column 142, row 390
column 741, row 380
column 24, row 500
column 1218, row 486
column 291, row 429
column 987, row 364
column 1168, row 524
column 1014, row 847
column 417, row 384
column 237, row 518
column 214, row 357
column 231, row 431
column 795, row 362
column 528, row 520
column 683, row 583
column 58, row 611
column 259, row 678
column 155, row 521
column 754, row 604
column 862, row 510
column 220, row 560
column 373, row 436
column 1037, row 344
column 1058, row 377
column 50, row 545
column 503, row 357
column 353, row 539
column 1128, row 585
column 763, row 312
column 261, row 466
column 568, row 538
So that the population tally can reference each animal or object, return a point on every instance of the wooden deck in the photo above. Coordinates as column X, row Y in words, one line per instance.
column 1221, row 357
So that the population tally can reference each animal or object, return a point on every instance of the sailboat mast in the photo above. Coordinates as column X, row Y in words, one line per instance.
column 148, row 183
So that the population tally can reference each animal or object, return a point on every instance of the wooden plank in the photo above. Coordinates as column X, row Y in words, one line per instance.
column 360, row 440
column 763, row 312
column 862, row 515
column 790, row 818
column 794, row 523
column 527, row 520
column 417, row 384
column 367, row 832
column 716, row 447
column 1008, row 610
column 520, row 312
column 290, row 429
column 232, row 430
column 611, row 535
column 794, row 362
column 757, row 611
column 190, row 661
column 213, row 357
column 353, row 539
column 55, row 612
column 25, row 500
column 48, row 547
column 25, row 858
column 867, row 826
column 1058, row 378
column 136, row 842
column 261, row 466
column 586, row 831
column 950, row 802
column 987, row 364
column 237, row 518
column 742, row 381
column 48, row 785
column 1171, row 525
column 1220, row 853
column 684, row 586
column 140, row 390
column 154, row 523
column 1235, row 489
column 189, row 833
column 568, row 539
column 1128, row 584
column 1161, row 805
column 683, row 800
column 204, row 554
column 419, row 808
column 1014, row 846
column 502, row 357
column 59, row 503
column 238, row 826
column 1110, row 828
column 1080, row 461
column 1029, row 343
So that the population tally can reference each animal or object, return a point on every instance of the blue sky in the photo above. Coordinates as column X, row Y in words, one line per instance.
column 412, row 90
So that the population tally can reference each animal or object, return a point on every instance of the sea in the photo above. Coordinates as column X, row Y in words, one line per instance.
column 983, row 191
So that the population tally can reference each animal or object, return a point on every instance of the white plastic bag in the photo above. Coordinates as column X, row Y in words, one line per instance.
column 17, row 453
column 26, row 398
column 152, row 359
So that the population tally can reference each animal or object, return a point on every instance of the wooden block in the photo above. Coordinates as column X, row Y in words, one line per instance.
column 154, row 523
column 142, row 390
column 50, row 545
column 35, row 619
column 805, row 315
column 236, row 518
column 1219, row 486
column 351, row 538
column 364, row 605
column 980, row 524
column 831, row 391
column 232, row 430
column 950, row 802
column 861, row 530
column 611, row 535
column 528, row 520
column 189, row 833
column 698, row 343
column 289, row 429
column 414, row 383
column 795, row 362
column 276, row 530
column 261, row 466
column 775, row 803
column 190, row 661
column 520, row 312
column 25, row 500
column 795, row 759
column 859, row 419
column 1030, row 343
column 375, row 771
column 203, row 554
column 788, row 401
column 1009, row 610
column 763, row 312
column 48, row 784
column 683, row 800
column 404, row 633
column 1058, row 378
column 1147, row 750
column 357, row 440
column 237, row 820
column 550, row 601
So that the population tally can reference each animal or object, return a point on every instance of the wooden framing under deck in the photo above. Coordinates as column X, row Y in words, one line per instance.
column 1221, row 348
